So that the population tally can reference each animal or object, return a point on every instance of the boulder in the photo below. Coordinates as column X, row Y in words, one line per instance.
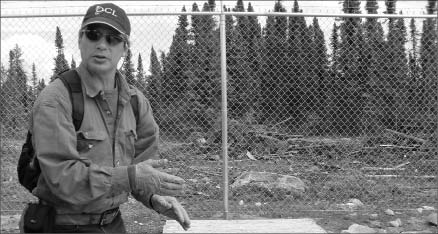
column 395, row 223
column 356, row 228
column 389, row 212
column 270, row 181
column 432, row 219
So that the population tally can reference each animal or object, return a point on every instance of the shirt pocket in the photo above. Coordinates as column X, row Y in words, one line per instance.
column 128, row 143
column 86, row 140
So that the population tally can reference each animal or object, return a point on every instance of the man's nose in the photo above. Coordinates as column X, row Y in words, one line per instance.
column 102, row 43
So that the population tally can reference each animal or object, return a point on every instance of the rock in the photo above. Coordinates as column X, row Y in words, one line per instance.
column 206, row 180
column 355, row 202
column 420, row 210
column 423, row 231
column 428, row 208
column 395, row 223
column 354, row 214
column 389, row 212
column 270, row 181
column 394, row 229
column 432, row 219
column 415, row 224
column 351, row 205
column 374, row 216
column 241, row 203
column 9, row 223
column 375, row 224
column 250, row 156
column 356, row 228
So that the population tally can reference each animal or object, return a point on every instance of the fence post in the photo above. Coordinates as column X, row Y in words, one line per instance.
column 224, row 110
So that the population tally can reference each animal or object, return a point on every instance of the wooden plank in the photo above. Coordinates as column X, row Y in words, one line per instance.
column 305, row 225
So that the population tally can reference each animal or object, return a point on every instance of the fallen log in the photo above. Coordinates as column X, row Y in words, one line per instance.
column 402, row 165
column 381, row 169
column 401, row 176
column 406, row 136
column 392, row 147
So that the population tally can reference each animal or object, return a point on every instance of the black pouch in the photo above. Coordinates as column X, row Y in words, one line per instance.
column 39, row 218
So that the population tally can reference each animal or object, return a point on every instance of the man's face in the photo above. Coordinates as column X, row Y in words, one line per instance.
column 101, row 48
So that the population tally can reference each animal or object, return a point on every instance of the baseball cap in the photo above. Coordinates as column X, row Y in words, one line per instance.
column 109, row 14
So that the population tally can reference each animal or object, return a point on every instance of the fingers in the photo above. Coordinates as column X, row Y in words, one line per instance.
column 171, row 185
column 183, row 218
column 179, row 213
column 171, row 179
column 157, row 163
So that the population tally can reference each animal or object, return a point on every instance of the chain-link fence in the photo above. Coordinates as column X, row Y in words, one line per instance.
column 320, row 109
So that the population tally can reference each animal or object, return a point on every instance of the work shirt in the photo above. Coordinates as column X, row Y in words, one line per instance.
column 85, row 171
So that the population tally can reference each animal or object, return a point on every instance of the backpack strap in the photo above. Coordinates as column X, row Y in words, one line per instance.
column 134, row 104
column 72, row 82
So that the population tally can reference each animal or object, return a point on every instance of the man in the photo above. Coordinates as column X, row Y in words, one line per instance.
column 87, row 174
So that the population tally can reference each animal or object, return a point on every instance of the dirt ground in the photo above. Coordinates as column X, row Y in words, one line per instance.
column 139, row 219
column 329, row 185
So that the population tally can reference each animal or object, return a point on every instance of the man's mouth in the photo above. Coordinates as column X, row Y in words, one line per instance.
column 99, row 56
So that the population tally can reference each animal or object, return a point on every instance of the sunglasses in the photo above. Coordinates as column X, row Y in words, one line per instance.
column 95, row 35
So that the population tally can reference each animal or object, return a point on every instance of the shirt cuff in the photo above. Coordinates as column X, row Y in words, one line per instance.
column 131, row 176
column 120, row 179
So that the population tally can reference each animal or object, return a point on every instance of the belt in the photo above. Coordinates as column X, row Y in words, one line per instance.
column 104, row 218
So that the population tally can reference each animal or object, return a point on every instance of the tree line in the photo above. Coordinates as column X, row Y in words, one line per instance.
column 360, row 81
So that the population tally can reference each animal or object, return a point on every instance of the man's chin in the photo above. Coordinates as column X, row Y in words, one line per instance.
column 100, row 68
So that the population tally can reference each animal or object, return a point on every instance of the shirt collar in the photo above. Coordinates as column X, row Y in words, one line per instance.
column 93, row 87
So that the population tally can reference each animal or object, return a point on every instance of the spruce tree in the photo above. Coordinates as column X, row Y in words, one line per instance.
column 429, row 70
column 73, row 63
column 298, row 53
column 128, row 68
column 3, row 78
column 61, row 63
column 373, row 50
column 16, row 99
column 154, row 90
column 254, row 44
column 205, row 74
column 319, row 75
column 177, row 64
column 34, row 85
column 240, row 74
column 347, row 112
column 276, row 91
column 34, row 78
column 413, row 54
column 41, row 85
column 140, row 76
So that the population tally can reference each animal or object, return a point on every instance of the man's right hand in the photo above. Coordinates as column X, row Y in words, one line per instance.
column 152, row 181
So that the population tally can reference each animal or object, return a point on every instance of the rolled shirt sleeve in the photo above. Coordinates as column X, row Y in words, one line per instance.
column 146, row 145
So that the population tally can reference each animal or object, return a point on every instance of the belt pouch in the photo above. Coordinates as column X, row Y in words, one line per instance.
column 39, row 218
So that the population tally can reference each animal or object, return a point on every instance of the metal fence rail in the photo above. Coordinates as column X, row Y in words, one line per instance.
column 262, row 113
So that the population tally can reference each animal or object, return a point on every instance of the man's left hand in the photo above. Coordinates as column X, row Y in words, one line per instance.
column 171, row 208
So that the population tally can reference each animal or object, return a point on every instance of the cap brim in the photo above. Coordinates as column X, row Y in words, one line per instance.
column 96, row 21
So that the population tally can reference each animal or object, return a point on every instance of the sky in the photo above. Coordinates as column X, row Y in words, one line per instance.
column 35, row 36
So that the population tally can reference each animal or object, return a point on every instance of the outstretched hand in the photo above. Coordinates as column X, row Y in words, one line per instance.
column 149, row 179
column 171, row 208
